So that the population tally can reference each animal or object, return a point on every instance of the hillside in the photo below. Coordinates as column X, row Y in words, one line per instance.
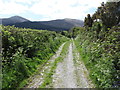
column 55, row 25
column 12, row 20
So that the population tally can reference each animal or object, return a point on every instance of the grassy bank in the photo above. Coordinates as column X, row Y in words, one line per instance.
column 100, row 53
column 24, row 50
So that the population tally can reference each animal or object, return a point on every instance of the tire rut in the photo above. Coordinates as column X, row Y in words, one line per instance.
column 65, row 72
column 38, row 79
column 71, row 72
column 82, row 73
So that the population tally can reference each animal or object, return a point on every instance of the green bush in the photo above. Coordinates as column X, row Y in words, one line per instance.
column 101, row 55
column 24, row 50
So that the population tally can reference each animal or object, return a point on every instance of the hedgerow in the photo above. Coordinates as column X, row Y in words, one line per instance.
column 101, row 54
column 23, row 50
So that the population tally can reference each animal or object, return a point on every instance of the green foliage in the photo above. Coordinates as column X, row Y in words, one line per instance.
column 101, row 55
column 24, row 50
column 109, row 14
column 65, row 33
column 88, row 21
column 99, row 45
column 73, row 32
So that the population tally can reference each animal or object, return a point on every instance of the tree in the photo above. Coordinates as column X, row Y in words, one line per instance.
column 88, row 21
column 85, row 21
column 109, row 13
column 98, row 30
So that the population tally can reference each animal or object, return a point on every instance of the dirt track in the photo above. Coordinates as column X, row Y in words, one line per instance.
column 38, row 79
column 65, row 76
column 70, row 73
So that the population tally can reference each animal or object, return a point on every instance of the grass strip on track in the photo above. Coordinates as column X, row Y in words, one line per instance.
column 48, row 80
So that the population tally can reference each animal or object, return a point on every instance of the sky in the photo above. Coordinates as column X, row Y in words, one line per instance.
column 44, row 10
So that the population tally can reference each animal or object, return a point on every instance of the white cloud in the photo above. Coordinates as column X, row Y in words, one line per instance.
column 64, row 8
column 24, row 1
column 12, row 8
column 50, row 9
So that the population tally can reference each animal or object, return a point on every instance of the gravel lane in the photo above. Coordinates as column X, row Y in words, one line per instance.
column 71, row 72
column 38, row 79
column 65, row 76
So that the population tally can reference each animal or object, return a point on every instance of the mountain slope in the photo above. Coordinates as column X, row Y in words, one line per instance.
column 65, row 23
column 38, row 25
column 12, row 20
column 55, row 25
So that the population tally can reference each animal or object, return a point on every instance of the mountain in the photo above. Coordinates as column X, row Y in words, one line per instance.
column 56, row 25
column 12, row 20
column 64, row 23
